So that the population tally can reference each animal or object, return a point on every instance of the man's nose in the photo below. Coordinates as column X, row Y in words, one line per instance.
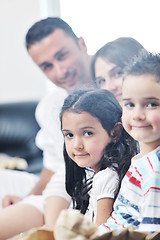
column 60, row 70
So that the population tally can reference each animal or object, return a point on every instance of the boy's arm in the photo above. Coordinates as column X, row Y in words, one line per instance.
column 151, row 204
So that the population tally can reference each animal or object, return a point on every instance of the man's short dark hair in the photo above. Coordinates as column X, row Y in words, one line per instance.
column 146, row 63
column 45, row 27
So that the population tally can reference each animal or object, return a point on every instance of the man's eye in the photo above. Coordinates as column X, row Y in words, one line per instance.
column 88, row 133
column 47, row 67
column 62, row 56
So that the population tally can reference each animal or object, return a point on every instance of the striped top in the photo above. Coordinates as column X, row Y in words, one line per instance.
column 138, row 202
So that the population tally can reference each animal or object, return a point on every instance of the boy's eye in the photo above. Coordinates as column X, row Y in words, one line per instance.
column 88, row 133
column 152, row 105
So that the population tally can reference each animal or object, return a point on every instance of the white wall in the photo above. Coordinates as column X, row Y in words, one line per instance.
column 100, row 21
column 20, row 78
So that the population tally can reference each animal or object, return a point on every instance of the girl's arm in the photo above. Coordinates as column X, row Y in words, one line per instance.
column 104, row 210
column 54, row 205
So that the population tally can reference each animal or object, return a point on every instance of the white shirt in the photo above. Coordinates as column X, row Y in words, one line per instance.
column 105, row 185
column 50, row 139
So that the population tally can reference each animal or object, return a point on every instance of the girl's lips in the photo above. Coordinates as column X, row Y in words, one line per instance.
column 81, row 155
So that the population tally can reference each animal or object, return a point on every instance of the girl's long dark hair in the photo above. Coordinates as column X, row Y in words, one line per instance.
column 103, row 105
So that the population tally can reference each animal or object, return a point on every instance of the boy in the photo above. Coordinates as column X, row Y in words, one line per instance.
column 137, row 203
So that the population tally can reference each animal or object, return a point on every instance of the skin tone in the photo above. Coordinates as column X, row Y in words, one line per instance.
column 109, row 76
column 66, row 64
column 141, row 111
column 62, row 60
column 85, row 141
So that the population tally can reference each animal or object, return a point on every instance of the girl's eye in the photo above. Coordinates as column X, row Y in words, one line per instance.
column 68, row 135
column 129, row 105
column 152, row 105
column 88, row 133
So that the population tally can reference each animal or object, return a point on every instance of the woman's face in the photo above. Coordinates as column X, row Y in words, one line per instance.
column 109, row 76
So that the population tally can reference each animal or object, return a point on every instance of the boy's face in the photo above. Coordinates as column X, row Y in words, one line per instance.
column 62, row 60
column 141, row 108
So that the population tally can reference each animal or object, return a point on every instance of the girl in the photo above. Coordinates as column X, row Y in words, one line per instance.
column 138, row 200
column 109, row 62
column 95, row 142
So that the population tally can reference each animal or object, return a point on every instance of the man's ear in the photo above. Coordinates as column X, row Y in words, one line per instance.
column 116, row 132
column 82, row 44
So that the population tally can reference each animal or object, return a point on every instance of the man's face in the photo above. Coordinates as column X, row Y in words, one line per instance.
column 62, row 60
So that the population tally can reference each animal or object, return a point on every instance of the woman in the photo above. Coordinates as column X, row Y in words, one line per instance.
column 109, row 62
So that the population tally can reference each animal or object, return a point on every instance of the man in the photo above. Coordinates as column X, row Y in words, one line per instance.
column 63, row 58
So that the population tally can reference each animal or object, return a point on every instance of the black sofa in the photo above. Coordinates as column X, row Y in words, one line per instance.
column 18, row 129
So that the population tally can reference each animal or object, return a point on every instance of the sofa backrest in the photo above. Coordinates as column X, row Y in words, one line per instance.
column 18, row 128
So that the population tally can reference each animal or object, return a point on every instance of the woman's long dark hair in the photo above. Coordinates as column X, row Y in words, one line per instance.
column 102, row 105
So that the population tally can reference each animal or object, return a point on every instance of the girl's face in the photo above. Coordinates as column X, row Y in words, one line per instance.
column 85, row 139
column 109, row 76
column 141, row 109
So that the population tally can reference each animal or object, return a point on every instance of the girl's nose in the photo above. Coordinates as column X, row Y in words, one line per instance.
column 78, row 145
column 138, row 114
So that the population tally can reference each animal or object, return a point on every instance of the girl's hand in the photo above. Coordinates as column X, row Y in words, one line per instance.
column 10, row 200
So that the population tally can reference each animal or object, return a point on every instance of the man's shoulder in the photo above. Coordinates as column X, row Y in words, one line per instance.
column 57, row 94
column 51, row 102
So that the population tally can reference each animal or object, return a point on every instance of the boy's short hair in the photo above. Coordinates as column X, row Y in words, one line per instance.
column 45, row 27
column 146, row 63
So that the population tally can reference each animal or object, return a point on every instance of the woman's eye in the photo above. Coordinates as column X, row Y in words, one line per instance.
column 88, row 133
column 118, row 74
column 101, row 81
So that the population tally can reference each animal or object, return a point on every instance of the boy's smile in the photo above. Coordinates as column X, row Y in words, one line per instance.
column 141, row 108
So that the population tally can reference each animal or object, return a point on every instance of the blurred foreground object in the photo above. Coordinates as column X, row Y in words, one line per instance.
column 72, row 225
column 7, row 162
